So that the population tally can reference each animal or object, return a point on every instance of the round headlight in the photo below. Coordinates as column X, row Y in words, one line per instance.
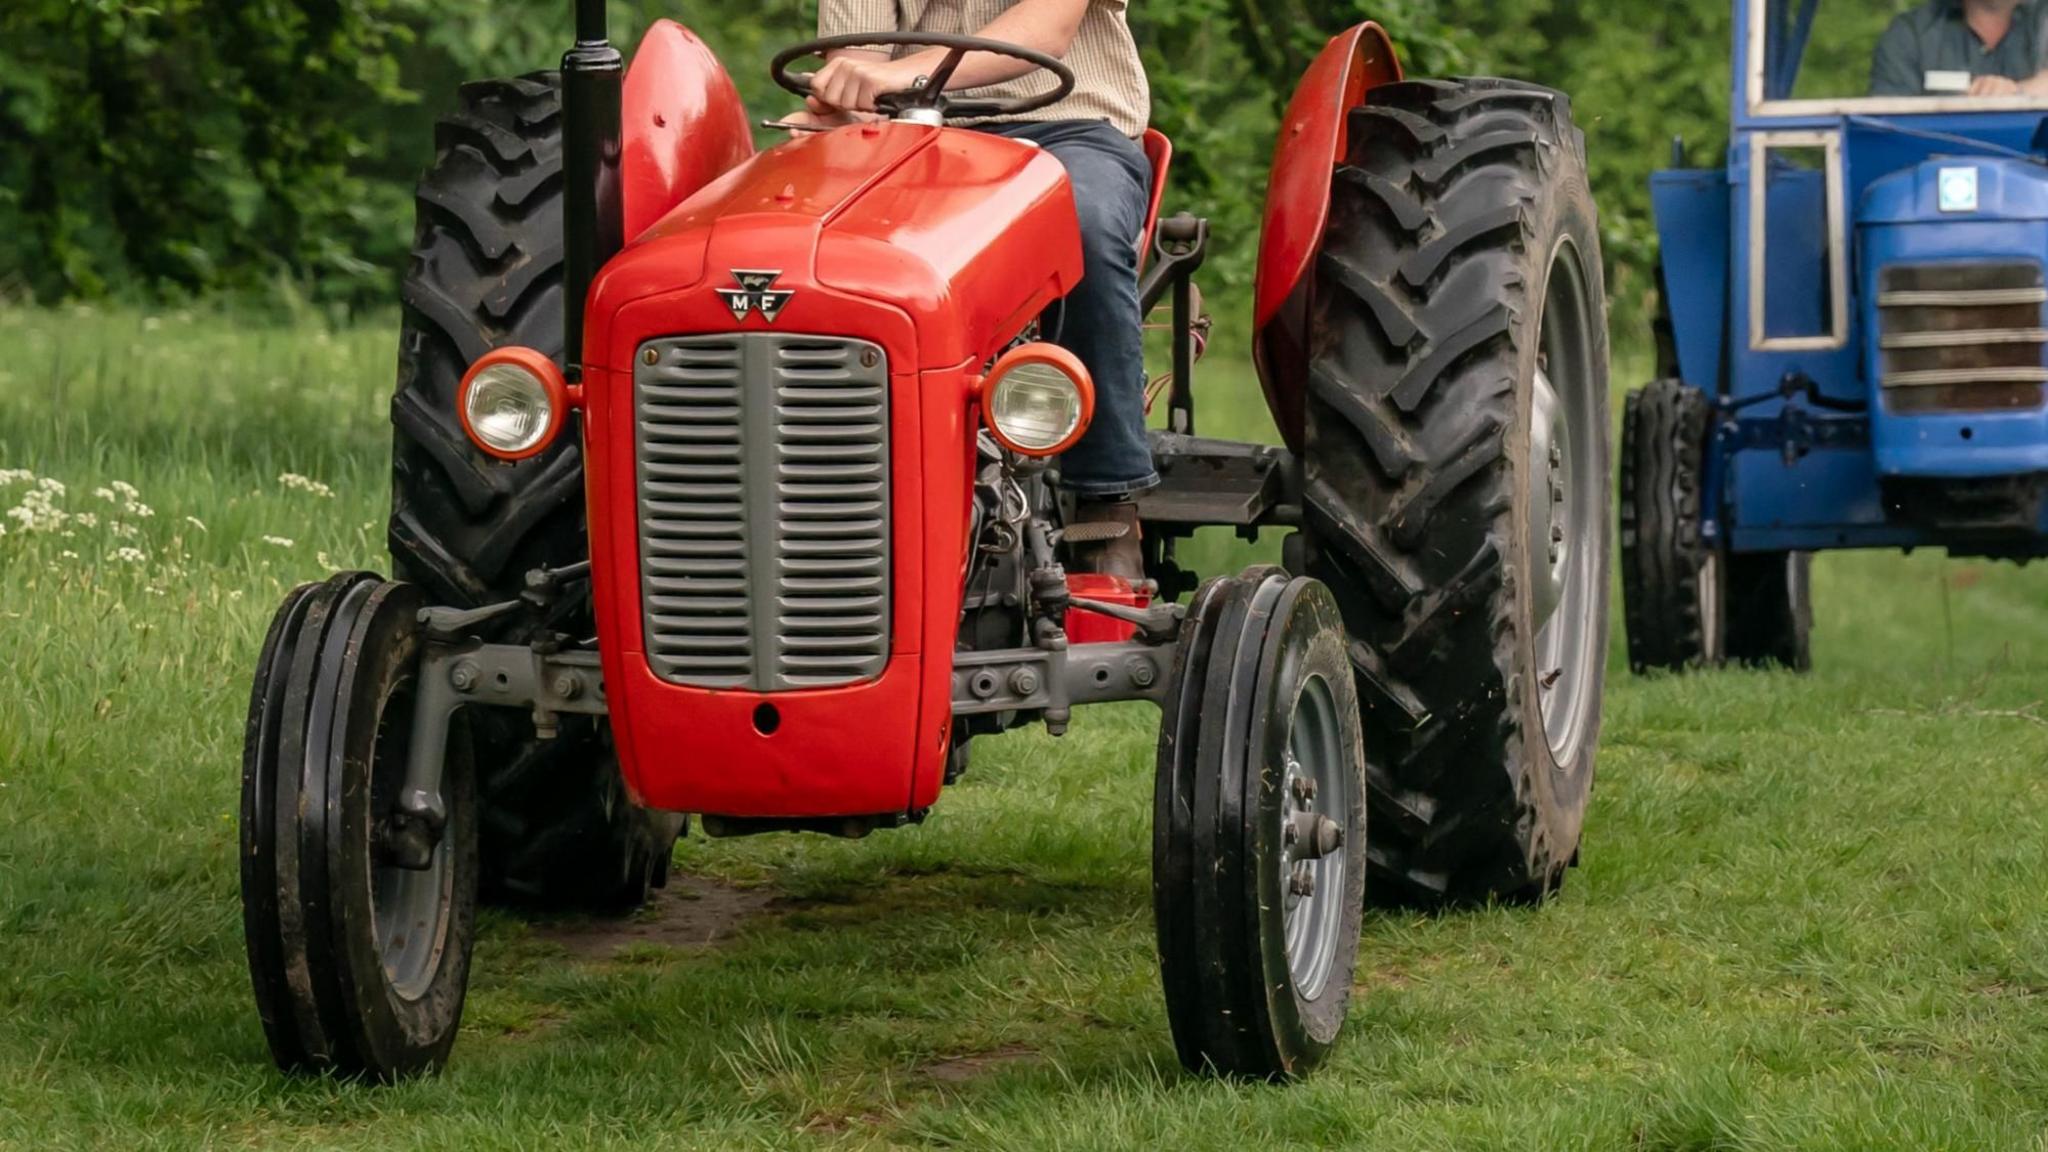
column 512, row 402
column 1038, row 400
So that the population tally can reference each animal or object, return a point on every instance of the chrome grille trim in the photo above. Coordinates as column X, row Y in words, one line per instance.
column 763, row 480
column 1962, row 336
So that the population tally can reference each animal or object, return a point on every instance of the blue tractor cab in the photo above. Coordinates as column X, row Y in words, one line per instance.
column 1852, row 346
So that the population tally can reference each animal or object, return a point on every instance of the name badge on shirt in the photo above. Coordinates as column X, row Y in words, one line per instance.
column 1945, row 83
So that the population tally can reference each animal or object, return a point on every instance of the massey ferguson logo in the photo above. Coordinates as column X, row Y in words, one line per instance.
column 756, row 293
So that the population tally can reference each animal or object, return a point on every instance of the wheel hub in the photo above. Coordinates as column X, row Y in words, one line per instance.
column 1316, row 804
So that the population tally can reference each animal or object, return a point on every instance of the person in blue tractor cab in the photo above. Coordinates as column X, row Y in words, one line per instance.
column 1094, row 132
column 1962, row 47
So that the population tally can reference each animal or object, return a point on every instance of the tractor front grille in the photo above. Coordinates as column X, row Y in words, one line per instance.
column 1962, row 337
column 763, row 477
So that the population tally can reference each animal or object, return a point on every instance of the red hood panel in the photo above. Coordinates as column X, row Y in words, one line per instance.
column 970, row 234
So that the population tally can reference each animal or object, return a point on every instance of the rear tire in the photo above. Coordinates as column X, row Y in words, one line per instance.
column 1457, row 338
column 486, row 271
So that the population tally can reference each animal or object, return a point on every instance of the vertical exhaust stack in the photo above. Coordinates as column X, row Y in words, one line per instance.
column 593, row 211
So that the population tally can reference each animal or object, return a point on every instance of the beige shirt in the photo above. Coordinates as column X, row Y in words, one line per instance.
column 1109, row 80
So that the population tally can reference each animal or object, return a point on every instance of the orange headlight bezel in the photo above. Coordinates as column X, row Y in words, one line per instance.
column 540, row 366
column 1050, row 355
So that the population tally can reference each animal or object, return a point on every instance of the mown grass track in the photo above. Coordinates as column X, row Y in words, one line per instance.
column 1812, row 911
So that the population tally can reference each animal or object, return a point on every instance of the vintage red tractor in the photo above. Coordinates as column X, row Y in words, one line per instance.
column 721, row 487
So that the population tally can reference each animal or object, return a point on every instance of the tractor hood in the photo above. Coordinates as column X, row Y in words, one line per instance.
column 968, row 235
column 1958, row 188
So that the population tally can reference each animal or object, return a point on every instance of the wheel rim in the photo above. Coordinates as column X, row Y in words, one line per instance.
column 410, row 907
column 1566, row 506
column 1707, row 586
column 1315, row 812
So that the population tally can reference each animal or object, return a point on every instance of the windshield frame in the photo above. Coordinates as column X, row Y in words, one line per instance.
column 1756, row 24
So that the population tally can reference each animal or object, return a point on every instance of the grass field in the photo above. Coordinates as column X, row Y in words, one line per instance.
column 1813, row 911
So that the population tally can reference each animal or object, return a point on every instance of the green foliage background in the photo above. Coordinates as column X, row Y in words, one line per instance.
column 154, row 147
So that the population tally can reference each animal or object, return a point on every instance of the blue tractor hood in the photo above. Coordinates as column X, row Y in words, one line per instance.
column 2005, row 188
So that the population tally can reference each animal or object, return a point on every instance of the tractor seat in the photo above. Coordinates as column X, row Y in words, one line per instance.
column 1159, row 151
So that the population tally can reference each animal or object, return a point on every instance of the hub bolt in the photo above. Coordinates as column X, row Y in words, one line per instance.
column 463, row 676
column 1302, row 882
column 568, row 686
column 1141, row 671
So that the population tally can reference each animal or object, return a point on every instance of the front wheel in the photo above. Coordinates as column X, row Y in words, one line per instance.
column 360, row 963
column 1258, row 849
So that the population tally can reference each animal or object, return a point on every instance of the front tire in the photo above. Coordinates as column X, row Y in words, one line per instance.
column 1259, row 830
column 558, row 826
column 1691, row 605
column 1456, row 479
column 360, row 966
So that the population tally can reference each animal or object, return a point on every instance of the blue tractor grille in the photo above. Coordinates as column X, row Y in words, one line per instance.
column 1962, row 337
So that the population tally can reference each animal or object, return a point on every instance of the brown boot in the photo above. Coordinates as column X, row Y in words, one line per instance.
column 1103, row 538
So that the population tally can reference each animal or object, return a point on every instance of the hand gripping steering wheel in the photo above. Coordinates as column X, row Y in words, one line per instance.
column 929, row 100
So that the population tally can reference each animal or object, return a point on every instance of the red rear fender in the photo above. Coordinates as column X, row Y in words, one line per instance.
column 1312, row 143
column 682, row 123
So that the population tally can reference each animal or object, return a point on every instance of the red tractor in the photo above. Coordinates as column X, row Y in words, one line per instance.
column 720, row 486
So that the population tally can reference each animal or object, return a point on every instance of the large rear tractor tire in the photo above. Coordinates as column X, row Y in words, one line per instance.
column 557, row 825
column 1456, row 471
column 1690, row 604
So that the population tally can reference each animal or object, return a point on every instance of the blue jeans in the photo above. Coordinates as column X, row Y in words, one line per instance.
column 1099, row 320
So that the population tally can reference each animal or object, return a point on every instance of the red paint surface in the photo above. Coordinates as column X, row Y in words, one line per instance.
column 681, row 123
column 937, row 245
column 1085, row 627
column 1159, row 153
column 1311, row 145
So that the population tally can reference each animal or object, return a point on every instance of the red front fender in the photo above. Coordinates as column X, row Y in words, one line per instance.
column 681, row 121
column 1312, row 143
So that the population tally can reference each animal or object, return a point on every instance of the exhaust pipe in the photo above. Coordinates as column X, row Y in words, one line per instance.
column 593, row 210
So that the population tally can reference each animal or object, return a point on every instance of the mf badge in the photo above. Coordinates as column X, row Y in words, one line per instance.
column 1956, row 189
column 756, row 293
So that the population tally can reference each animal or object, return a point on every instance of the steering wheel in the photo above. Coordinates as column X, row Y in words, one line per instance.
column 928, row 101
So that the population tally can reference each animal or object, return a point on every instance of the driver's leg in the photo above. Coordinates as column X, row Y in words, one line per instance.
column 1099, row 322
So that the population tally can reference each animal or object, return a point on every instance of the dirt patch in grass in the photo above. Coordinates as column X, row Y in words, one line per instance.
column 690, row 913
column 961, row 1069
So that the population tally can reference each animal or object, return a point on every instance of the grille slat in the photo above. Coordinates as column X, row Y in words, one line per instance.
column 764, row 515
column 1962, row 337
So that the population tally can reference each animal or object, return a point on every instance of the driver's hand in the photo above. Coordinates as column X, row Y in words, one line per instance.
column 1994, row 86
column 851, row 83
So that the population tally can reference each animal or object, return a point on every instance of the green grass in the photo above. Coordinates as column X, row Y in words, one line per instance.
column 1811, row 911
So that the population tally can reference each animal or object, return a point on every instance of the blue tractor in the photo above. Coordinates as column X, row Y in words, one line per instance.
column 1852, row 347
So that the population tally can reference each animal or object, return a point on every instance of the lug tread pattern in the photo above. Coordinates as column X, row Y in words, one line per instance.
column 1421, row 304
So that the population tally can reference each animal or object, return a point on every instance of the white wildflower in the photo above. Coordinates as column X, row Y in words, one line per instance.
column 15, row 475
column 128, row 555
column 321, row 559
column 280, row 541
column 85, row 519
column 306, row 484
column 106, row 494
column 124, row 531
column 68, row 554
column 196, row 523
column 154, row 591
column 38, row 511
column 124, row 489
column 234, row 594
